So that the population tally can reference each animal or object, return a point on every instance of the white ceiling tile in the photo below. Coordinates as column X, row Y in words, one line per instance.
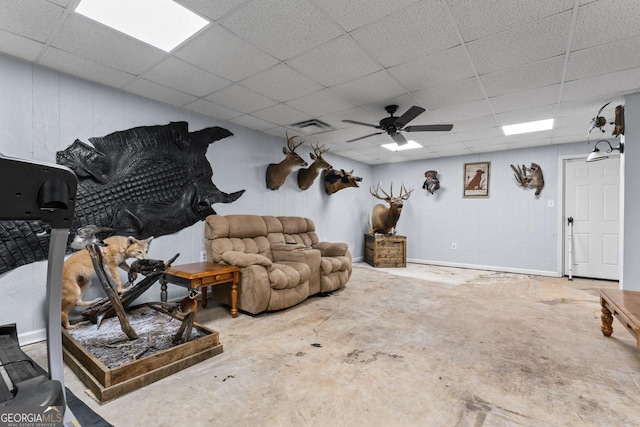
column 529, row 115
column 351, row 14
column 240, row 98
column 524, row 77
column 320, row 103
column 544, row 135
column 80, row 67
column 606, row 21
column 281, row 83
column 368, row 89
column 529, row 43
column 34, row 19
column 98, row 43
column 457, row 93
column 485, row 142
column 19, row 46
column 158, row 92
column 252, row 122
column 63, row 3
column 480, row 133
column 530, row 143
column 434, row 70
column 413, row 32
column 281, row 114
column 616, row 56
column 212, row 9
column 622, row 81
column 453, row 146
column 465, row 125
column 210, row 109
column 463, row 111
column 219, row 51
column 480, row 18
column 589, row 107
column 284, row 28
column 566, row 140
column 489, row 148
column 526, row 99
column 404, row 102
column 357, row 114
column 335, row 62
column 175, row 73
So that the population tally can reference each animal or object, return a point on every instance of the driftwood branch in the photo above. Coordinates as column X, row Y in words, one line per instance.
column 103, row 308
column 96, row 258
column 185, row 328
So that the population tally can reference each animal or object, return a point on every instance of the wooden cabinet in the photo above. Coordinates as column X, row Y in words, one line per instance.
column 385, row 251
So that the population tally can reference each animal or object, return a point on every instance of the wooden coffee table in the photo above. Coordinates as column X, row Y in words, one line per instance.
column 202, row 275
column 624, row 306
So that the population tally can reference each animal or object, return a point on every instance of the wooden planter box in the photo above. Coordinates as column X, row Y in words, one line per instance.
column 385, row 251
column 109, row 383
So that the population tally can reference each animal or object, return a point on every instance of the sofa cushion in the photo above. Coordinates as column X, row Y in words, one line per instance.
column 241, row 259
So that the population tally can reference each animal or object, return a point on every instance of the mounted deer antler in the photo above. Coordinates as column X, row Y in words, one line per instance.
column 308, row 175
column 384, row 219
column 277, row 172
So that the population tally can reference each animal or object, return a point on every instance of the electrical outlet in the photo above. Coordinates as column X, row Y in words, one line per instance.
column 551, row 203
column 454, row 246
column 203, row 256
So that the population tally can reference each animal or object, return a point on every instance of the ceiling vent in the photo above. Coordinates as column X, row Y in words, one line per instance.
column 311, row 127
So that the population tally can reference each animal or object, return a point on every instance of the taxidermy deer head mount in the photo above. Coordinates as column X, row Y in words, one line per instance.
column 529, row 177
column 384, row 219
column 337, row 180
column 277, row 172
column 306, row 176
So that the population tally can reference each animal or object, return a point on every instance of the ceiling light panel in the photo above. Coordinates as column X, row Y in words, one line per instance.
column 528, row 127
column 160, row 23
column 408, row 146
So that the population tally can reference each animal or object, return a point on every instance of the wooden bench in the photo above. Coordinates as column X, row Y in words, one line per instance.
column 625, row 306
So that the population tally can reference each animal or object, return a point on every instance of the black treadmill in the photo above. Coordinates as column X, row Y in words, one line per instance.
column 33, row 190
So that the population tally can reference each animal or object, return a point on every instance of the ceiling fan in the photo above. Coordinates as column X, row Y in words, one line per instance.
column 394, row 125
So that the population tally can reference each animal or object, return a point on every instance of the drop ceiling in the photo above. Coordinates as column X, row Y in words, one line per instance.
column 267, row 64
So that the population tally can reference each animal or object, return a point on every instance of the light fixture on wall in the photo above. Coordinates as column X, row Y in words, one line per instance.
column 600, row 155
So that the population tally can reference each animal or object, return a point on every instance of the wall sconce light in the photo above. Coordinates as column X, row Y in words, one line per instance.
column 599, row 155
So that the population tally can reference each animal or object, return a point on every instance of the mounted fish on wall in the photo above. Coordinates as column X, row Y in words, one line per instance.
column 530, row 177
column 145, row 181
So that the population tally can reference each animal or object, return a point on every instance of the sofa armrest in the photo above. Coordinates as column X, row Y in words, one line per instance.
column 241, row 259
column 331, row 249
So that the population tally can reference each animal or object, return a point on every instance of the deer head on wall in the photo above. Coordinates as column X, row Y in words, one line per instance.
column 383, row 218
column 277, row 172
column 306, row 176
column 335, row 180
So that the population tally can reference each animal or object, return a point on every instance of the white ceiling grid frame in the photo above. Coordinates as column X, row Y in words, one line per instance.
column 201, row 83
column 281, row 83
column 240, row 98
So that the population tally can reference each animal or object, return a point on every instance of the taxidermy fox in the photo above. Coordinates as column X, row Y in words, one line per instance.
column 78, row 269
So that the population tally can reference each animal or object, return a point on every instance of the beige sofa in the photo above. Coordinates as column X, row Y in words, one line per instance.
column 282, row 260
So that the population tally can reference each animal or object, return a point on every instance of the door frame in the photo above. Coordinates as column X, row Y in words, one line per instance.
column 561, row 223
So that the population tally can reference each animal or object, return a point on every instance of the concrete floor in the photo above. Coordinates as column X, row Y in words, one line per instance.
column 421, row 346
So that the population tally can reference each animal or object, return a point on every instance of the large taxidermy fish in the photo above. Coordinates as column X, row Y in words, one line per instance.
column 145, row 181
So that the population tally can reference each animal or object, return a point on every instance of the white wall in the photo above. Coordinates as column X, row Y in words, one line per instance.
column 43, row 111
column 631, row 208
column 512, row 230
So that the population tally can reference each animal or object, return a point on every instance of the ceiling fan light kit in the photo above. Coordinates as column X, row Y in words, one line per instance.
column 394, row 126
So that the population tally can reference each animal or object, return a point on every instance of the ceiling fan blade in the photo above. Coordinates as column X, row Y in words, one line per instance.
column 361, row 123
column 411, row 114
column 399, row 139
column 428, row 128
column 366, row 136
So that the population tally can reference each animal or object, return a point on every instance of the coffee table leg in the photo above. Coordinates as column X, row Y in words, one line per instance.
column 163, row 289
column 203, row 297
column 234, row 297
column 607, row 320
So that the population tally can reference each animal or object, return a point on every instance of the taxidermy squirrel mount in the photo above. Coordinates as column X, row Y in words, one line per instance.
column 530, row 177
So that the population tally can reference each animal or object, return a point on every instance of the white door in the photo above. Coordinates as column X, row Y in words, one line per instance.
column 592, row 192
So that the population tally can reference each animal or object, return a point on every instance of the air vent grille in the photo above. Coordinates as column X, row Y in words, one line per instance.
column 312, row 127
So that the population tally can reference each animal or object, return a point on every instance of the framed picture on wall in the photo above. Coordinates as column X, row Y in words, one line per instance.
column 476, row 179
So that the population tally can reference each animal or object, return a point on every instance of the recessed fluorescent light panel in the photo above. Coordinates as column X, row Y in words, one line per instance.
column 408, row 146
column 161, row 23
column 528, row 127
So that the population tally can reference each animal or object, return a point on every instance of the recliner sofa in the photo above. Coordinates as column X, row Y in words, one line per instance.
column 282, row 260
